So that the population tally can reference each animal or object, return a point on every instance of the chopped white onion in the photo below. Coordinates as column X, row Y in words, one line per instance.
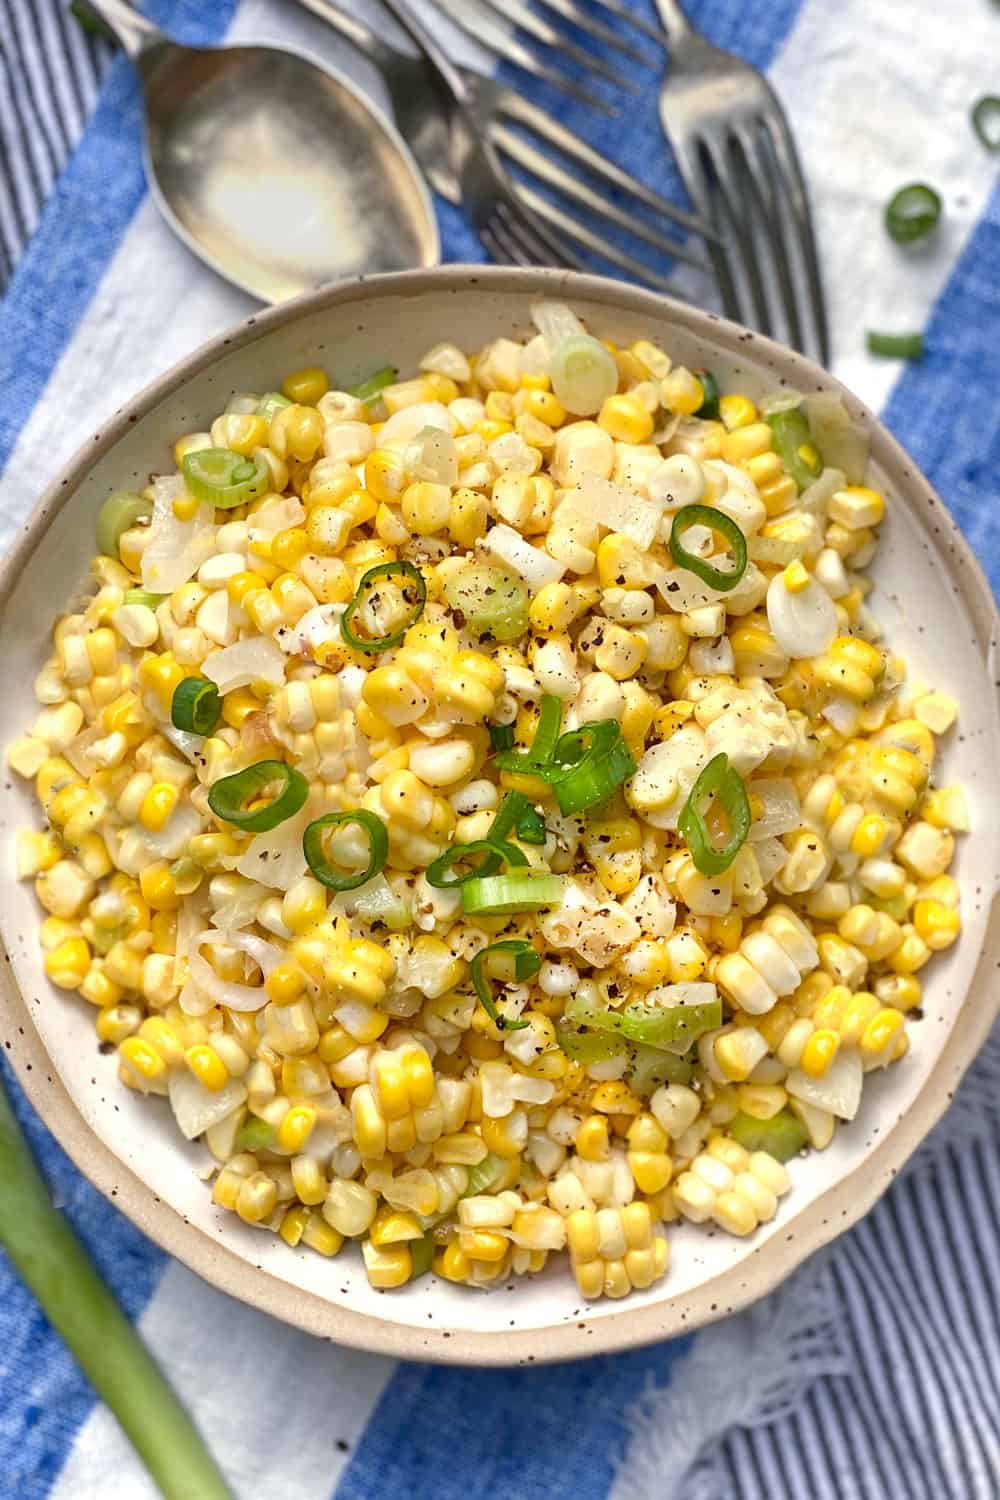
column 683, row 590
column 803, row 623
column 816, row 496
column 240, row 910
column 171, row 841
column 375, row 901
column 584, row 374
column 176, row 549
column 276, row 858
column 432, row 456
column 190, row 745
column 842, row 443
column 404, row 425
column 533, row 357
column 196, row 1108
column 316, row 626
column 780, row 812
column 252, row 660
column 771, row 855
column 555, row 322
column 242, row 997
column 612, row 505
column 784, row 400
column 842, row 714
column 534, row 566
column 447, row 359
column 838, row 1091
column 275, row 517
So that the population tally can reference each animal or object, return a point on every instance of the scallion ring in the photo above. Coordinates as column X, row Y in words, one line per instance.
column 196, row 706
column 506, row 895
column 912, row 213
column 313, row 842
column 986, row 121
column 530, row 762
column 531, row 826
column 793, row 443
column 706, row 515
column 223, row 478
column 228, row 797
column 526, row 964
column 495, row 852
column 717, row 781
column 593, row 762
column 270, row 404
column 370, row 388
column 501, row 736
column 708, row 411
column 412, row 576
column 119, row 512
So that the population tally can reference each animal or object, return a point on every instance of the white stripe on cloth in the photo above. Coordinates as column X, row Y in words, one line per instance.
column 279, row 1409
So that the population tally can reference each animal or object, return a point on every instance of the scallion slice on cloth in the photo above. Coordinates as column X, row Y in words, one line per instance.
column 912, row 213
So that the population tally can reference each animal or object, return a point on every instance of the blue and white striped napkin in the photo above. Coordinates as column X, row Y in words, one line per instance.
column 874, row 1374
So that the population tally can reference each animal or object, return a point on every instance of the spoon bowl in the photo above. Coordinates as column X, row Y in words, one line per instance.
column 280, row 175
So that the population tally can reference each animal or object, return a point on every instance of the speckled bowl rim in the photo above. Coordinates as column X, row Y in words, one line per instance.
column 808, row 1230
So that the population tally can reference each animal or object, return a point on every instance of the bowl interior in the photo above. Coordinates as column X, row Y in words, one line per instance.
column 934, row 609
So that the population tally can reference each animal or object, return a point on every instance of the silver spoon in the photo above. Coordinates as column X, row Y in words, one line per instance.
column 281, row 175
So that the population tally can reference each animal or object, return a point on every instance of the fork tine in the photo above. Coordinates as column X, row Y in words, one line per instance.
column 597, row 29
column 549, row 171
column 519, row 15
column 567, row 225
column 526, row 113
column 698, row 188
column 648, row 28
column 760, row 187
column 741, row 220
column 787, row 159
column 514, row 52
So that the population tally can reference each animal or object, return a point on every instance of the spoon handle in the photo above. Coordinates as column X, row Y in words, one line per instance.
column 133, row 33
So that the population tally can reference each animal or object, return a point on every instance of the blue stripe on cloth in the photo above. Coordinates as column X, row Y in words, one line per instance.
column 81, row 228
column 46, row 1397
column 944, row 408
column 450, row 1434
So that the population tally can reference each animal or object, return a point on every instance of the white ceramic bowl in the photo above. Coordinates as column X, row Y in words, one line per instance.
column 937, row 609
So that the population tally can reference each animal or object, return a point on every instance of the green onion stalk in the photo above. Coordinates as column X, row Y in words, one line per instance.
column 56, row 1268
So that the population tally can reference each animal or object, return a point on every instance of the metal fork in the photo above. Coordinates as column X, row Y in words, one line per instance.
column 456, row 121
column 739, row 164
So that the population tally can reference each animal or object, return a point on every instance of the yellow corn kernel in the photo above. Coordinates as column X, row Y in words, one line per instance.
column 320, row 1236
column 293, row 1224
column 285, row 984
column 452, row 1264
column 67, row 964
column 911, row 955
column 387, row 1267
column 901, row 991
column 819, row 1052
column 626, row 419
column 937, row 924
column 748, row 442
column 257, row 1198
column 615, row 1098
column 306, row 386
column 185, row 507
column 881, row 1031
column 102, row 991
column 116, row 1022
column 857, row 507
column 483, row 1244
column 796, row 577
column 392, row 1227
column 296, row 1128
column 592, row 1140
column 157, row 805
column 158, row 887
column 369, row 1122
column 780, row 495
column 208, row 1067
column 497, row 1138
column 142, row 1058
column 736, row 412
column 651, row 1170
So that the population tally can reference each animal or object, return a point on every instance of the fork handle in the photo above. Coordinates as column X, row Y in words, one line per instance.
column 675, row 23
column 354, row 31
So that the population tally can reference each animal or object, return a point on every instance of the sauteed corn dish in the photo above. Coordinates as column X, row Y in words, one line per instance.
column 483, row 806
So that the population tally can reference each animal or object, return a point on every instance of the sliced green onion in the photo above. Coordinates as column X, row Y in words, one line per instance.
column 986, row 121
column 254, row 1135
column 717, row 780
column 491, row 602
column 589, row 1046
column 504, row 895
column 119, row 512
column 223, row 478
column 782, row 1136
column 591, row 762
column 531, row 826
column 654, row 1067
column 495, row 851
column 593, row 1017
column 271, row 404
column 722, row 579
column 708, row 411
column 422, row 1255
column 509, row 813
column 666, row 1025
column 584, row 374
column 501, row 736
column 143, row 596
column 196, row 706
column 912, row 213
column 896, row 345
column 57, row 1270
column 793, row 443
column 370, row 388
column 412, row 576
column 228, row 797
column 484, row 1174
column 530, row 762
column 313, row 842
column 526, row 963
